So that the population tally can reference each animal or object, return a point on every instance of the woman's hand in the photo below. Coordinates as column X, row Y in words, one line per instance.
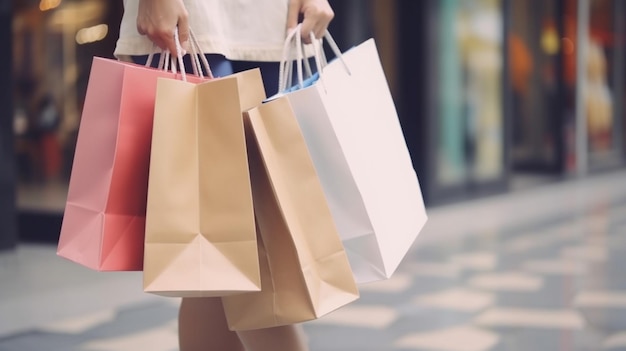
column 317, row 15
column 158, row 19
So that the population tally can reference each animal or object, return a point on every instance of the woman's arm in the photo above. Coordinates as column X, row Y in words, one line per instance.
column 157, row 19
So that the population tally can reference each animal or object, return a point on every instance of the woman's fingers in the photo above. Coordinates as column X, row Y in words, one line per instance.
column 317, row 15
column 183, row 32
column 158, row 19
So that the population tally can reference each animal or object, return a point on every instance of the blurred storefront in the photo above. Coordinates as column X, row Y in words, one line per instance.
column 549, row 88
column 453, row 96
column 605, row 90
column 496, row 90
column 543, row 77
column 53, row 42
column 487, row 90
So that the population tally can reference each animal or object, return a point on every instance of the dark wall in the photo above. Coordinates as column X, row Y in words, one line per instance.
column 415, row 93
column 352, row 23
column 8, row 220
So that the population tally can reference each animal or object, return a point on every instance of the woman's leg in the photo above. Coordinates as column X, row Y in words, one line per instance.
column 202, row 327
column 284, row 338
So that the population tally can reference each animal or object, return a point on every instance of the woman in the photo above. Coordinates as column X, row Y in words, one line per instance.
column 235, row 35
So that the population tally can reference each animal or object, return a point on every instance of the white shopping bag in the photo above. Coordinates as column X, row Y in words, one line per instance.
column 351, row 128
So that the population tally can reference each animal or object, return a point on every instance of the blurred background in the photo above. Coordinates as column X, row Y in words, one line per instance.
column 496, row 98
column 493, row 95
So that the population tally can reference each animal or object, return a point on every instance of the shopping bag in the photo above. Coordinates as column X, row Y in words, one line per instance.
column 200, row 233
column 349, row 121
column 104, row 218
column 305, row 273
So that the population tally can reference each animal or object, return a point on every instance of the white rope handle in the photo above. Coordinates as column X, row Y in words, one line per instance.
column 199, row 54
column 286, row 65
column 198, row 60
column 320, row 58
column 166, row 62
column 179, row 54
column 333, row 46
column 283, row 70
column 285, row 74
column 151, row 56
column 289, row 65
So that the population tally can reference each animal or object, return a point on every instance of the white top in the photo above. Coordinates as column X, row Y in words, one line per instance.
column 246, row 30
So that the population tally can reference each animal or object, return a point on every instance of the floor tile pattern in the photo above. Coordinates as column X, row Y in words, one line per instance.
column 553, row 282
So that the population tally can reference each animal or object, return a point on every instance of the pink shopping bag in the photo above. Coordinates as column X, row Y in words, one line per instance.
column 104, row 219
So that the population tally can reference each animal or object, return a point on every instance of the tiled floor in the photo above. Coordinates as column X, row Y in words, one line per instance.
column 538, row 269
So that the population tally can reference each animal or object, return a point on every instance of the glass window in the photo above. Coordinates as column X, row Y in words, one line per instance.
column 604, row 84
column 535, row 42
column 470, row 112
column 53, row 45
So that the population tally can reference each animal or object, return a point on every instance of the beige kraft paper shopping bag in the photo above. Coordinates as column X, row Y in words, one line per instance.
column 200, row 229
column 305, row 273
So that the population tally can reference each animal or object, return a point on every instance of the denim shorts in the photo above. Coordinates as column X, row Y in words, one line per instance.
column 221, row 66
